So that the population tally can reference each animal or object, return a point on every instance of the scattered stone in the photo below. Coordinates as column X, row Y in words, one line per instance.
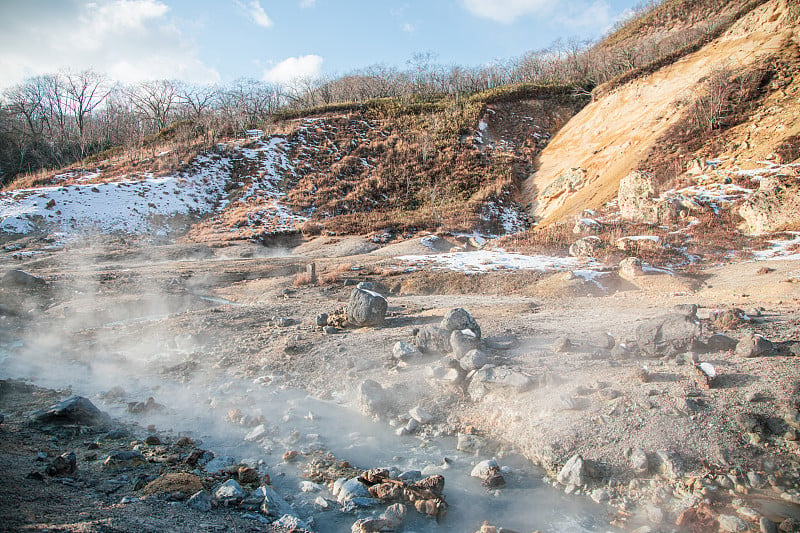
column 719, row 342
column 309, row 486
column 460, row 319
column 668, row 465
column 484, row 468
column 372, row 525
column 561, row 345
column 229, row 492
column 330, row 330
column 443, row 372
column 144, row 407
column 600, row 495
column 419, row 414
column 603, row 340
column 403, row 351
column 321, row 320
column 395, row 514
column 630, row 268
column 753, row 345
column 74, row 410
column 152, row 440
column 63, row 465
column 122, row 460
column 668, row 334
column 273, row 505
column 291, row 522
column 199, row 457
column 491, row 378
column 706, row 374
column 505, row 342
column 698, row 518
column 256, row 434
column 687, row 310
column 462, row 341
column 366, row 308
column 766, row 525
column 731, row 524
column 432, row 339
column 470, row 443
column 245, row 474
column 573, row 472
column 201, row 501
column 350, row 489
column 790, row 525
column 290, row 456
column 640, row 463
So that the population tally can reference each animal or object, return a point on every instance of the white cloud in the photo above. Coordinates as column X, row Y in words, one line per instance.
column 130, row 40
column 592, row 16
column 255, row 12
column 308, row 3
column 505, row 11
column 588, row 17
column 408, row 28
column 295, row 68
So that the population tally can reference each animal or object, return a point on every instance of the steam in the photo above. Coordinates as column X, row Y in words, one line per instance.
column 137, row 322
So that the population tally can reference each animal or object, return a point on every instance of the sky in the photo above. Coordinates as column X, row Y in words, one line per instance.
column 218, row 41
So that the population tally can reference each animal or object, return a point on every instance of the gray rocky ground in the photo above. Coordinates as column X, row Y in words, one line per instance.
column 603, row 390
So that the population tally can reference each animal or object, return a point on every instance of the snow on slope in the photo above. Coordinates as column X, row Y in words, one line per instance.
column 147, row 204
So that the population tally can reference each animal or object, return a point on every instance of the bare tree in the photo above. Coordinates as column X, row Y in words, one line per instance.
column 84, row 92
column 155, row 100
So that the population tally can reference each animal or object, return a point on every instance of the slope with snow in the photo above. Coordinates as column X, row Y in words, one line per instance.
column 145, row 204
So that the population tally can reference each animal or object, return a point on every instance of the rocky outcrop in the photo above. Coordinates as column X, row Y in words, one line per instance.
column 639, row 201
column 566, row 182
column 774, row 207
column 586, row 247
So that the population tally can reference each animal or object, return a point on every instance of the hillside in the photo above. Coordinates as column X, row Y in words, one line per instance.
column 647, row 123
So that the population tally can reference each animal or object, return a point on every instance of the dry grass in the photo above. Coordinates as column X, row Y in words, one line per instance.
column 302, row 279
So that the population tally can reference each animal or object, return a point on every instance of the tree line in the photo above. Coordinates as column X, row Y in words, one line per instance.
column 53, row 120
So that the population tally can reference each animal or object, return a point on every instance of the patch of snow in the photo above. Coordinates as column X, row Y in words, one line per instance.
column 782, row 249
column 634, row 238
column 491, row 260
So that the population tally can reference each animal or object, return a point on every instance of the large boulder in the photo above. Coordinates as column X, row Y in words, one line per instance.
column 20, row 278
column 366, row 308
column 775, row 206
column 460, row 319
column 668, row 334
column 639, row 201
column 74, row 410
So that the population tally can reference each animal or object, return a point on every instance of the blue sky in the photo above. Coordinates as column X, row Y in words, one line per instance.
column 217, row 41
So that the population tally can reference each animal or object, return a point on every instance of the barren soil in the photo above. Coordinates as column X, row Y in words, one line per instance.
column 103, row 299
